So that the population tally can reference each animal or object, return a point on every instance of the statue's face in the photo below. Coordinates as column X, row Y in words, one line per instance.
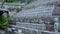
column 1, row 12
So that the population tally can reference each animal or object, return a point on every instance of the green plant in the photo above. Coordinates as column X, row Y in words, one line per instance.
column 10, row 1
column 3, row 21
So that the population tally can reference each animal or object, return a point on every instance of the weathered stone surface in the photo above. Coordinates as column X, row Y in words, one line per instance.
column 32, row 25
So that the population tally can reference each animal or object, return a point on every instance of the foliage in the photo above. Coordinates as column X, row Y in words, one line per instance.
column 3, row 20
column 10, row 1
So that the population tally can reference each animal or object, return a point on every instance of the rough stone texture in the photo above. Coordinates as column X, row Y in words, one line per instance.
column 50, row 27
column 57, row 11
column 33, row 26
